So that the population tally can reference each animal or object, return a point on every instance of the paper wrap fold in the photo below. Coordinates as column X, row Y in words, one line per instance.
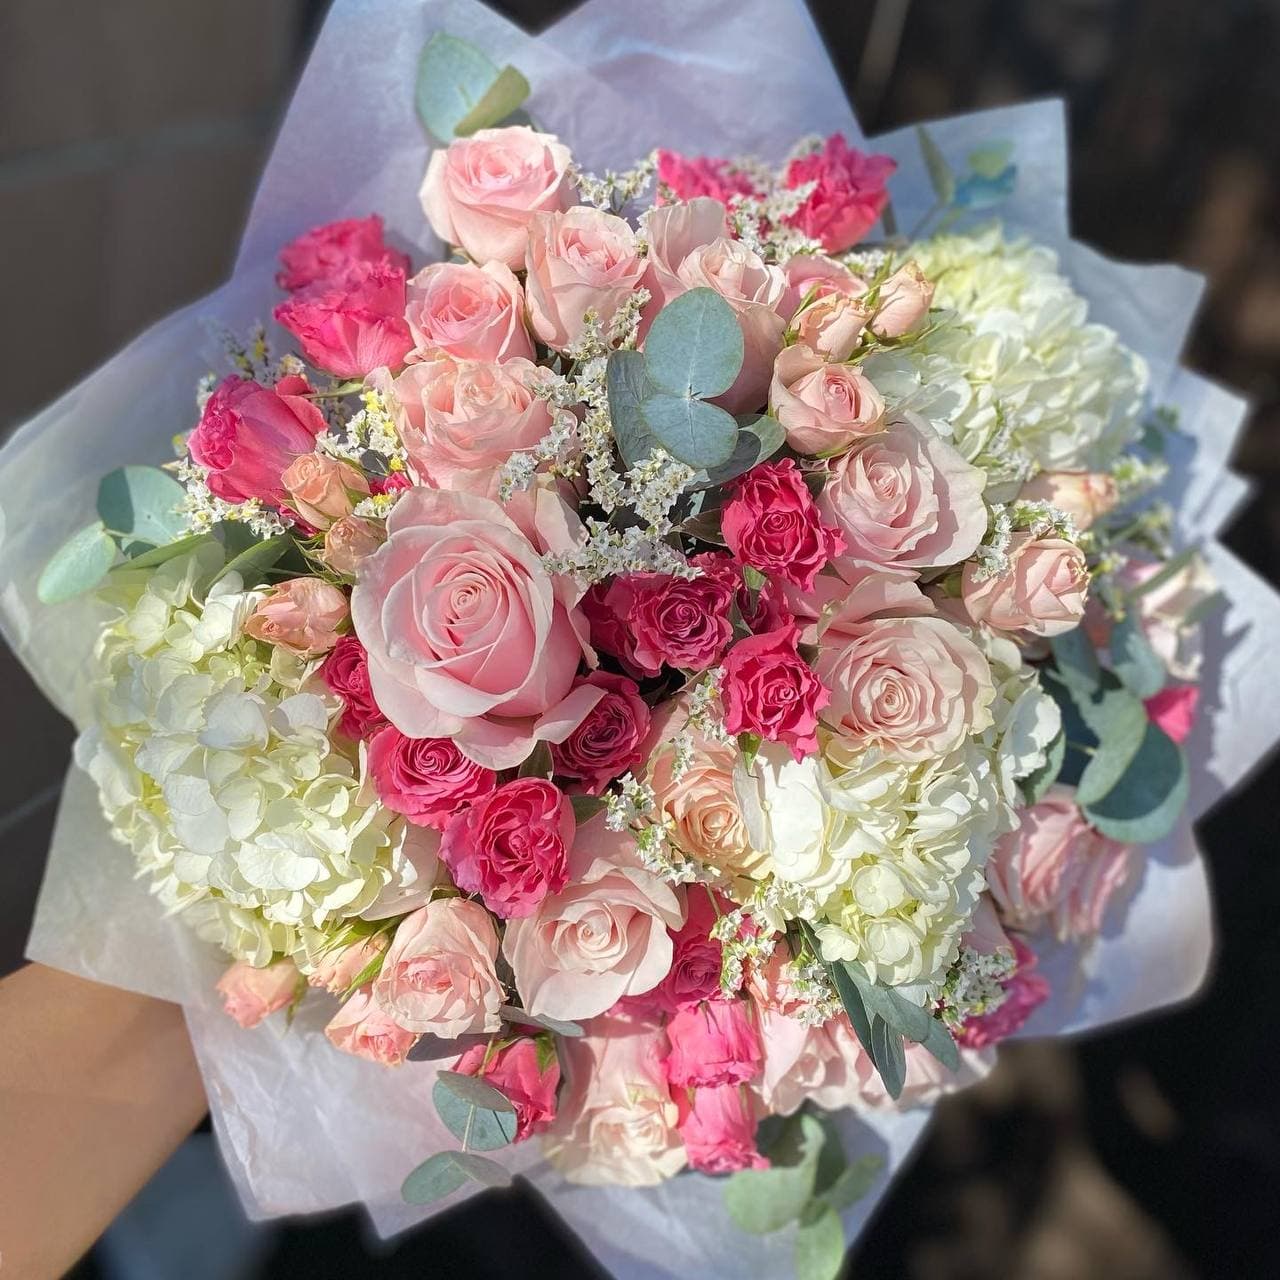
column 302, row 1126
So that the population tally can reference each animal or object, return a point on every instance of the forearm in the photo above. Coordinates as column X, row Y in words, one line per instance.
column 97, row 1088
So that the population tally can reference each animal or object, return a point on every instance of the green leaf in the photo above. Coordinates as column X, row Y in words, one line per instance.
column 941, row 178
column 942, row 1045
column 481, row 1128
column 253, row 563
column 586, row 807
column 628, row 386
column 433, row 1179
column 846, row 988
column 157, row 556
column 367, row 974
column 453, row 79
column 1133, row 659
column 819, row 1251
column 475, row 1091
column 1204, row 608
column 501, row 99
column 691, row 430
column 77, row 566
column 1038, row 781
column 694, row 346
column 538, row 763
column 890, row 1056
column 761, row 1201
column 911, row 1020
column 480, row 1169
column 1170, row 569
column 544, row 1048
column 759, row 438
column 1145, row 804
column 139, row 502
column 1075, row 657
column 853, row 1183
column 1119, row 721
column 524, row 1018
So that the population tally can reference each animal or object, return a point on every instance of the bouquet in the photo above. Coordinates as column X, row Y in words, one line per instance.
column 697, row 654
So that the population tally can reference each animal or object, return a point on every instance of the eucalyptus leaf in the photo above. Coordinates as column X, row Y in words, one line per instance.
column 433, row 1179
column 694, row 346
column 475, row 1091
column 890, row 1056
column 761, row 1201
column 140, row 503
column 154, row 557
column 1145, row 804
column 819, row 1247
column 853, row 1183
column 691, row 430
column 479, row 1127
column 77, row 566
column 759, row 438
column 501, row 99
column 1133, row 659
column 942, row 1045
column 481, row 1169
column 628, row 386
column 911, row 1020
column 1038, row 781
column 1119, row 722
column 846, row 988
column 252, row 564
column 523, row 1017
column 429, row 1048
column 1075, row 657
column 453, row 79
column 941, row 178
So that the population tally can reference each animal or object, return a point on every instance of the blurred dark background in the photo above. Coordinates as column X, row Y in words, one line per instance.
column 131, row 136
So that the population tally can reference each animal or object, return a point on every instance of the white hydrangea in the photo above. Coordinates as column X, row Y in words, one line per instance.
column 213, row 760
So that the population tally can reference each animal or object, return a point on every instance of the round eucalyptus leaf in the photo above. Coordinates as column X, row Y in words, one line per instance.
column 694, row 346
column 1144, row 806
column 475, row 1091
column 628, row 385
column 433, row 1179
column 453, row 78
column 1133, row 659
column 77, row 566
column 1119, row 739
column 140, row 502
column 522, row 1017
column 691, row 430
column 819, row 1247
column 764, row 1200
column 488, row 1131
column 481, row 1169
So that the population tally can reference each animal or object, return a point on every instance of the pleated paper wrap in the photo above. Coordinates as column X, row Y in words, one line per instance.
column 302, row 1126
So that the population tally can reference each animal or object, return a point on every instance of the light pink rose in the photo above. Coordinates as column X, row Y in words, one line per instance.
column 902, row 303
column 1043, row 592
column 349, row 542
column 1083, row 495
column 578, row 261
column 616, row 1124
column 439, row 974
column 301, row 614
column 1163, row 609
column 718, row 1125
column 1056, row 869
column 823, row 1064
column 831, row 327
column 813, row 276
column 906, row 498
column 338, row 968
column 251, row 993
column 321, row 488
column 602, row 937
column 467, row 634
column 823, row 407
column 674, row 231
column 517, row 1071
column 480, row 192
column 361, row 1028
column 473, row 313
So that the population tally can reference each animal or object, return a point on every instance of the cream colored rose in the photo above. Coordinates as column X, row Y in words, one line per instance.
column 1083, row 495
column 823, row 407
column 1043, row 592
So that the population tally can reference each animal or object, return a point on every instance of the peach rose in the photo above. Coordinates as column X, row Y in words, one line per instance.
column 251, row 993
column 813, row 276
column 473, row 313
column 480, row 192
column 578, row 261
column 1043, row 591
column 903, row 302
column 1056, row 868
column 321, row 488
column 906, row 498
column 348, row 542
column 337, row 969
column 823, row 407
column 1083, row 495
column 439, row 974
column 361, row 1028
column 602, row 937
column 301, row 614
column 831, row 326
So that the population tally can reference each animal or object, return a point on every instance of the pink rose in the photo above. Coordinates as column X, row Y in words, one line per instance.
column 602, row 937
column 349, row 542
column 329, row 252
column 481, row 192
column 439, row 974
column 696, row 961
column 772, row 523
column 906, row 498
column 685, row 177
column 1055, row 867
column 301, row 614
column 713, row 1043
column 830, row 327
column 763, row 610
column 768, row 689
column 249, row 434
column 903, row 302
column 1085, row 496
column 250, row 994
column 608, row 740
column 718, row 1125
column 522, row 1075
column 361, row 1028
column 823, row 407
column 470, row 312
column 351, row 326
column 1163, row 612
column 578, row 261
column 492, row 642
column 1025, row 991
column 511, row 846
column 339, row 967
column 814, row 277
column 321, row 488
column 1173, row 709
column 1043, row 592
column 426, row 779
column 674, row 231
column 849, row 197
column 346, row 672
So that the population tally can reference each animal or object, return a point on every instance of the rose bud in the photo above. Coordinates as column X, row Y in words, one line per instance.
column 302, row 614
column 361, row 1028
column 830, row 326
column 350, row 541
column 250, row 994
column 1043, row 592
column 1083, row 495
column 905, row 298
column 823, row 407
column 320, row 488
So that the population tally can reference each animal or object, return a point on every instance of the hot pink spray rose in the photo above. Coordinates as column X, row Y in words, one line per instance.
column 1043, row 593
column 346, row 672
column 1025, row 992
column 823, row 407
column 850, row 193
column 361, row 1028
column 250, row 994
column 520, row 1072
column 768, row 689
column 249, row 434
column 718, row 1125
column 329, row 252
column 1173, row 710
column 470, row 312
column 696, row 962
column 687, row 177
column 511, row 846
column 609, row 740
column 712, row 1043
column 426, row 779
column 301, row 614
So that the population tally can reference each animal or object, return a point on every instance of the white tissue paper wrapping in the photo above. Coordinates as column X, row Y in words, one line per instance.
column 302, row 1126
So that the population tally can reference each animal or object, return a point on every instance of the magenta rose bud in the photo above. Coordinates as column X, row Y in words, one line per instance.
column 426, row 779
column 250, row 994
column 330, row 251
column 768, row 689
column 772, row 524
column 249, row 435
column 682, row 622
column 713, row 1043
column 609, row 740
column 850, row 193
column 511, row 846
column 718, row 1126
column 346, row 672
column 525, row 1073
column 1173, row 709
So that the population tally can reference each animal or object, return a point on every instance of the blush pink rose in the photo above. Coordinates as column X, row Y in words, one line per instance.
column 467, row 311
column 823, row 407
column 849, row 196
column 351, row 326
column 346, row 672
column 338, row 968
column 1056, row 869
column 426, row 779
column 608, row 741
column 830, row 327
column 1042, row 593
column 251, row 993
column 771, row 523
column 903, row 301
column 323, row 489
column 768, row 689
column 821, row 1064
column 249, row 434
column 674, row 231
column 349, row 542
column 301, row 614
column 522, row 1075
column 1085, row 496
column 718, row 1125
column 686, row 177
column 361, row 1028
column 813, row 277
column 511, row 846
column 439, row 976
column 1025, row 991
column 602, row 937
column 712, row 1043
column 329, row 252
column 481, row 192
column 1173, row 710
column 468, row 635
column 905, row 498
column 577, row 261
